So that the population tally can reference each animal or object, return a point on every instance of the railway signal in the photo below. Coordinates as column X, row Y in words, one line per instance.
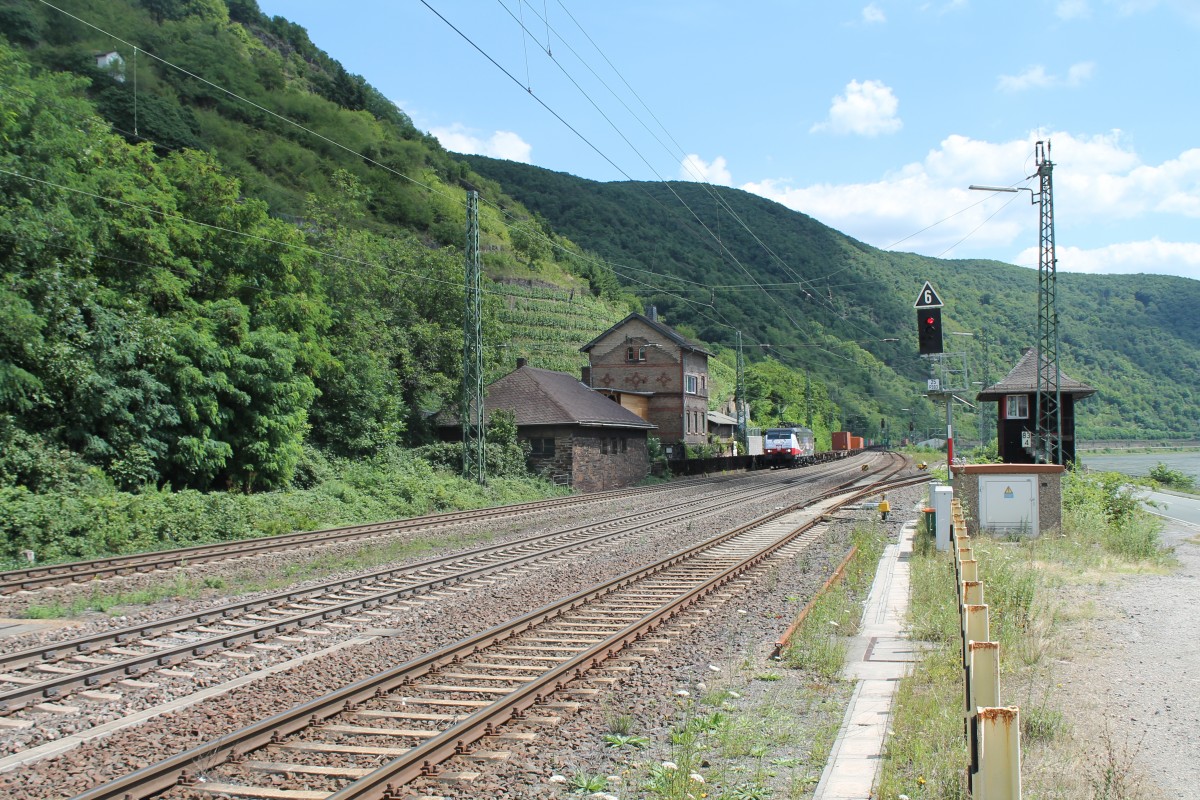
column 929, row 320
column 929, row 331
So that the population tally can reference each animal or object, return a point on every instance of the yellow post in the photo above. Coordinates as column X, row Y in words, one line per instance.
column 999, row 775
column 970, row 570
column 972, row 593
column 975, row 627
column 984, row 667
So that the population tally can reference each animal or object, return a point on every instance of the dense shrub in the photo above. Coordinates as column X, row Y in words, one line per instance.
column 93, row 518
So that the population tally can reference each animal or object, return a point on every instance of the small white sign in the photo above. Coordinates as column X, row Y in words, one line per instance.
column 1026, row 439
column 935, row 385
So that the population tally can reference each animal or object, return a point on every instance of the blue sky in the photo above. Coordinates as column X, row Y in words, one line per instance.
column 871, row 117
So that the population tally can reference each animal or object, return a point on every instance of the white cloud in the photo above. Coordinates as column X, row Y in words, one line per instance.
column 1072, row 9
column 501, row 144
column 1036, row 77
column 694, row 168
column 873, row 14
column 1154, row 255
column 867, row 109
column 1099, row 181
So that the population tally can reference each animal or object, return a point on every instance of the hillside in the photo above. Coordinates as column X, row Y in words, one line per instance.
column 1136, row 338
column 216, row 281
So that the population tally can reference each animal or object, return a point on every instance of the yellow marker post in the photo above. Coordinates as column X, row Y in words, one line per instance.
column 975, row 627
column 999, row 774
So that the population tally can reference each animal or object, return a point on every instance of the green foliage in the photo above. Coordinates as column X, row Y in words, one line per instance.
column 835, row 300
column 1110, row 493
column 93, row 518
column 1172, row 478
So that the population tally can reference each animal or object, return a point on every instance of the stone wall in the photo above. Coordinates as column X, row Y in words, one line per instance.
column 1049, row 485
column 591, row 459
column 608, row 459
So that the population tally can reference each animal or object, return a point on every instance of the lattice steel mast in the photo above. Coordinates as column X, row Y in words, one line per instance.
column 1048, row 399
column 739, row 398
column 474, row 463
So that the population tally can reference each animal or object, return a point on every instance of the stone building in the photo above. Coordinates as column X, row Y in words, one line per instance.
column 577, row 437
column 642, row 357
column 1016, row 418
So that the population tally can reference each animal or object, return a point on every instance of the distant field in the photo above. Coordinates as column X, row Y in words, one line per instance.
column 1141, row 463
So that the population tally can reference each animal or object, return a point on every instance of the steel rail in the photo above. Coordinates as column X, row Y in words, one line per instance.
column 32, row 578
column 55, row 686
column 158, row 777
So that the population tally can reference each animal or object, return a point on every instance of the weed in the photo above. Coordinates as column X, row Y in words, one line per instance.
column 748, row 792
column 616, row 741
column 1110, row 769
column 620, row 724
column 587, row 782
column 1040, row 724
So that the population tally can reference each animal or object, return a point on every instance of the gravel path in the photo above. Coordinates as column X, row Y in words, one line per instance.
column 1137, row 675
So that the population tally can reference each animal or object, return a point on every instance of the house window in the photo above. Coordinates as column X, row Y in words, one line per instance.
column 691, row 383
column 624, row 445
column 541, row 448
column 1016, row 406
column 635, row 354
column 704, row 383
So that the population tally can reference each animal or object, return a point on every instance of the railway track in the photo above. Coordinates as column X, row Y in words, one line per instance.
column 370, row 738
column 51, row 673
column 41, row 577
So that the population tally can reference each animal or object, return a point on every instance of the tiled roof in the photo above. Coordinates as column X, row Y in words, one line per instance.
column 666, row 330
column 717, row 418
column 1023, row 378
column 544, row 397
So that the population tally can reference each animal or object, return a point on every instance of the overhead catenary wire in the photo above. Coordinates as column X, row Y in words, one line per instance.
column 426, row 186
column 685, row 162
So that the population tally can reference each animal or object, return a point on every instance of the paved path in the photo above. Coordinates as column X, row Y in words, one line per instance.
column 879, row 656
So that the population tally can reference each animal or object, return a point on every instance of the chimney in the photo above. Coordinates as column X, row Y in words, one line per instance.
column 585, row 375
column 652, row 313
column 520, row 363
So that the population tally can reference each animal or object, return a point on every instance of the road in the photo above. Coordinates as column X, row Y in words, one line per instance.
column 1181, row 512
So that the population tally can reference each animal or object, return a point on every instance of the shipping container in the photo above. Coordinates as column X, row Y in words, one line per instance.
column 841, row 440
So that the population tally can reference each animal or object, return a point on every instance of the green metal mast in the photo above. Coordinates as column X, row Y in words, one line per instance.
column 740, row 398
column 474, row 463
column 1048, row 399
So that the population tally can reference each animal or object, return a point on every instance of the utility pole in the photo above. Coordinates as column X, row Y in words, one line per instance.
column 739, row 398
column 985, row 426
column 808, row 415
column 474, row 461
column 1047, row 432
column 1048, row 435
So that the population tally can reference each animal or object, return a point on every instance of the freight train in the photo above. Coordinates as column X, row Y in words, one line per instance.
column 792, row 446
column 795, row 446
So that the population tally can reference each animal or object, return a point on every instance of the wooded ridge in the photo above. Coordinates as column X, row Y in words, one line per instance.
column 225, row 282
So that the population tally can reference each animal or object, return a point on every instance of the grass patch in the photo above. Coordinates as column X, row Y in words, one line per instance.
column 1105, row 535
column 818, row 646
column 183, row 587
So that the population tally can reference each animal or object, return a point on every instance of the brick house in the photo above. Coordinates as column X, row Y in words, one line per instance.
column 642, row 356
column 577, row 437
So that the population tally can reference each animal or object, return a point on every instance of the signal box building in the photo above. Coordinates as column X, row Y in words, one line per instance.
column 576, row 436
column 642, row 358
column 1016, row 414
